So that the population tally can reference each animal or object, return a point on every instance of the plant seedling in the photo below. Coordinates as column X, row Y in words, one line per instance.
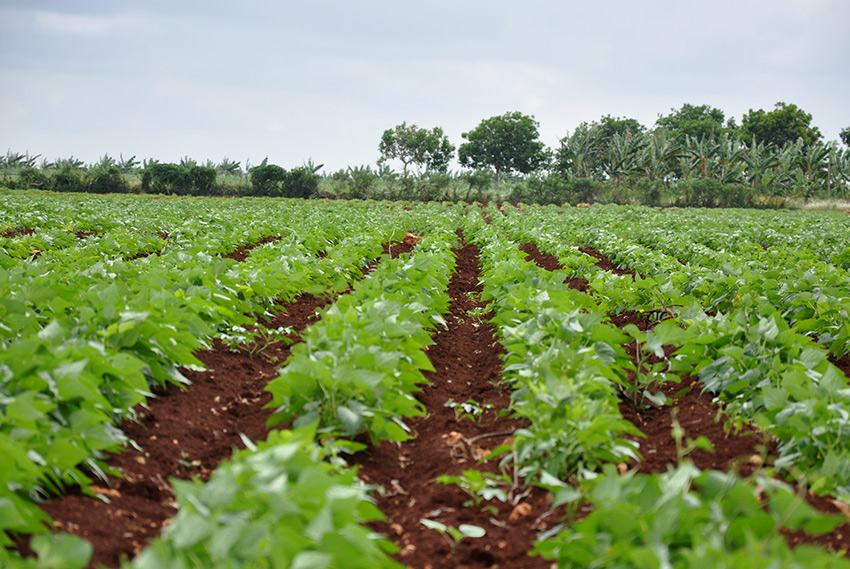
column 480, row 486
column 648, row 377
column 469, row 409
column 454, row 535
column 255, row 340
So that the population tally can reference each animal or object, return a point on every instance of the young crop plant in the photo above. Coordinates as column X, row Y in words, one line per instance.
column 454, row 535
column 687, row 518
column 469, row 409
column 479, row 486
column 254, row 340
column 357, row 368
column 648, row 376
column 276, row 504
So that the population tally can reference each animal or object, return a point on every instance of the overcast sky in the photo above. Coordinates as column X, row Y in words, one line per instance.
column 322, row 80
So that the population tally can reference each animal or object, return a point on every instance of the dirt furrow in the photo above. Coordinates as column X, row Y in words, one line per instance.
column 181, row 433
column 698, row 416
column 467, row 371
column 184, row 433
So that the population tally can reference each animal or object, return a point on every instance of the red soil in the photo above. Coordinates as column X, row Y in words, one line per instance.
column 467, row 364
column 698, row 416
column 12, row 233
column 187, row 432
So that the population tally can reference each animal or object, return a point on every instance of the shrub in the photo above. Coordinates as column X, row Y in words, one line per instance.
column 266, row 180
column 106, row 181
column 166, row 179
column 31, row 178
column 300, row 182
column 68, row 180
column 708, row 192
column 203, row 180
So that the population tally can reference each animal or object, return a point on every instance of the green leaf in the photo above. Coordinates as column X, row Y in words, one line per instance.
column 469, row 530
column 312, row 560
column 350, row 420
column 61, row 551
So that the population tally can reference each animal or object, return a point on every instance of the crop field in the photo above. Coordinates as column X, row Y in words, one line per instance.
column 257, row 382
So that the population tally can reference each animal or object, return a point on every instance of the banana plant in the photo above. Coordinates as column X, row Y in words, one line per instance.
column 621, row 156
column 579, row 154
column 659, row 155
column 759, row 161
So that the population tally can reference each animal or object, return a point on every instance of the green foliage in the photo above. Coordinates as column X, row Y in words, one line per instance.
column 469, row 409
column 611, row 126
column 693, row 121
column 166, row 179
column 553, row 189
column 267, row 180
column 564, row 365
column 845, row 136
column 301, row 182
column 105, row 180
column 480, row 486
column 454, row 535
column 360, row 179
column 32, row 178
column 85, row 331
column 356, row 370
column 689, row 519
column 507, row 143
column 418, row 146
column 708, row 192
column 648, row 377
column 67, row 179
column 202, row 180
column 274, row 181
column 276, row 502
column 478, row 180
column 783, row 125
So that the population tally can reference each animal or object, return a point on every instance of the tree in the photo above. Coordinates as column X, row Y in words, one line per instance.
column 695, row 121
column 845, row 135
column 784, row 124
column 624, row 126
column 506, row 143
column 414, row 145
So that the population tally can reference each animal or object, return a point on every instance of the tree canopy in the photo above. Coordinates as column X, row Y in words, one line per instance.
column 784, row 124
column 845, row 135
column 415, row 145
column 694, row 121
column 507, row 143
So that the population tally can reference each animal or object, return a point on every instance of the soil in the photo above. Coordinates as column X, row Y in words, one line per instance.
column 241, row 253
column 604, row 262
column 466, row 359
column 182, row 433
column 742, row 451
column 188, row 432
column 12, row 233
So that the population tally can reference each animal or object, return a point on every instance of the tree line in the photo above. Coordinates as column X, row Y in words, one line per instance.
column 692, row 156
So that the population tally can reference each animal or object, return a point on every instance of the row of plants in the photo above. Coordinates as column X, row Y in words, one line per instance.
column 763, row 371
column 813, row 296
column 84, row 338
column 357, row 369
column 563, row 363
column 279, row 500
column 170, row 179
column 686, row 517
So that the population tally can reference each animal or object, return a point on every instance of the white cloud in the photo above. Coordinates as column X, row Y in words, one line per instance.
column 85, row 25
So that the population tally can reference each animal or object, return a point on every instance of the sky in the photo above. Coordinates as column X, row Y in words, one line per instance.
column 322, row 80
